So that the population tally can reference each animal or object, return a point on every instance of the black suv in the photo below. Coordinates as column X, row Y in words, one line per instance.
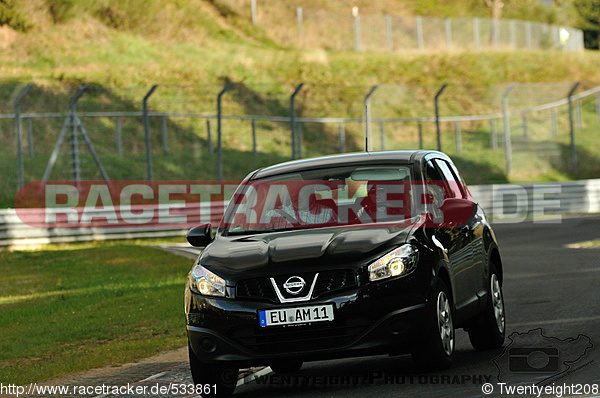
column 340, row 256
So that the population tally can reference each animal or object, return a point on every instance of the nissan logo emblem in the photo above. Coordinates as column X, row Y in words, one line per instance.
column 294, row 285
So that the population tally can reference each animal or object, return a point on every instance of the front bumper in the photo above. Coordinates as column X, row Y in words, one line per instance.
column 371, row 320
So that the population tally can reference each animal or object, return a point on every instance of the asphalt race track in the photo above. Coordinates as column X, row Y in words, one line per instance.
column 552, row 303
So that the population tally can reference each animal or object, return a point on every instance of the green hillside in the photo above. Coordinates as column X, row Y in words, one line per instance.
column 191, row 47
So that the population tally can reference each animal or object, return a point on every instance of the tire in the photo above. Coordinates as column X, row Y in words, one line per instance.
column 222, row 379
column 436, row 350
column 489, row 328
column 286, row 367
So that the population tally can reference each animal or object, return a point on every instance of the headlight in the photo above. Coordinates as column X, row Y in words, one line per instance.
column 204, row 282
column 398, row 262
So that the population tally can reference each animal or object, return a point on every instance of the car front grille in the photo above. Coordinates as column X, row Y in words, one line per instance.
column 261, row 289
column 331, row 281
column 257, row 289
column 336, row 334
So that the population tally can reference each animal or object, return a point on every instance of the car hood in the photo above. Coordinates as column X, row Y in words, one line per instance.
column 247, row 256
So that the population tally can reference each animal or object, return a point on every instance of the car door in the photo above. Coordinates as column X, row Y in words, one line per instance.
column 476, row 230
column 452, row 238
column 472, row 240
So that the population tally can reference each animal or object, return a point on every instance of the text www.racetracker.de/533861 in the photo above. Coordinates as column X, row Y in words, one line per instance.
column 128, row 389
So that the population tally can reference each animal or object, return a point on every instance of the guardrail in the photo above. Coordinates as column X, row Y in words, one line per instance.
column 513, row 203
column 502, row 202
column 14, row 233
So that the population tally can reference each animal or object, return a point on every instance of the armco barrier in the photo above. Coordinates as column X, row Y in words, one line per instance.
column 502, row 202
column 15, row 233
column 511, row 203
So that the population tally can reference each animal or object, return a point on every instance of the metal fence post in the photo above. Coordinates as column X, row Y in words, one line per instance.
column 437, row 116
column 74, row 133
column 295, row 143
column 254, row 137
column 147, row 132
column 165, row 141
column 357, row 41
column 513, row 34
column 30, row 136
column 119, row 136
column 477, row 33
column 525, row 132
column 420, row 128
column 554, row 123
column 458, row 134
column 209, row 137
column 20, row 172
column 448, row 29
column 419, row 26
column 495, row 31
column 253, row 12
column 506, row 125
column 388, row 33
column 572, row 128
column 300, row 16
column 367, row 119
column 69, row 122
column 342, row 137
column 219, row 132
column 578, row 113
column 300, row 139
column 381, row 136
column 75, row 164
column 494, row 135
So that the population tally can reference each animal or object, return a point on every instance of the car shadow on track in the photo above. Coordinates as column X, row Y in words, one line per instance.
column 379, row 376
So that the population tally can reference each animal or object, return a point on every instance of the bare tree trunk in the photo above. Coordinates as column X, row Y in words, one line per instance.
column 496, row 7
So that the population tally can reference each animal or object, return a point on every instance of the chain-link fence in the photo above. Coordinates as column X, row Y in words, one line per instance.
column 318, row 28
column 521, row 131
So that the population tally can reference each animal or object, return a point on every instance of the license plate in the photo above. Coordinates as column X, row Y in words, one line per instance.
column 295, row 315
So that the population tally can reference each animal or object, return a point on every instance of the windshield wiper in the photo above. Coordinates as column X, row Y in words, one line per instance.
column 257, row 231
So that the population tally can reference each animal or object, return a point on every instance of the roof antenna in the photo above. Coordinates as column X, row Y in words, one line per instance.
column 367, row 119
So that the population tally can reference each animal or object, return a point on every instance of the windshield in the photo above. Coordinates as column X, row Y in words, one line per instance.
column 347, row 195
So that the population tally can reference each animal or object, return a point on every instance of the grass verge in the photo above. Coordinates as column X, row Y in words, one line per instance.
column 590, row 244
column 70, row 308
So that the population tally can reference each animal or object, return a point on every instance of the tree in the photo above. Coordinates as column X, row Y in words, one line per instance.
column 60, row 10
column 496, row 7
column 9, row 16
column 588, row 13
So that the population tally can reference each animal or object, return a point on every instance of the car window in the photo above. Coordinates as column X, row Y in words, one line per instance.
column 463, row 186
column 454, row 184
column 311, row 198
column 433, row 175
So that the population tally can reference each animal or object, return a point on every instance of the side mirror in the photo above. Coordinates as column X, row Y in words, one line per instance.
column 457, row 211
column 200, row 235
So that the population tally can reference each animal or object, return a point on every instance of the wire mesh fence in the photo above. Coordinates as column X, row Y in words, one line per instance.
column 519, row 130
column 320, row 28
